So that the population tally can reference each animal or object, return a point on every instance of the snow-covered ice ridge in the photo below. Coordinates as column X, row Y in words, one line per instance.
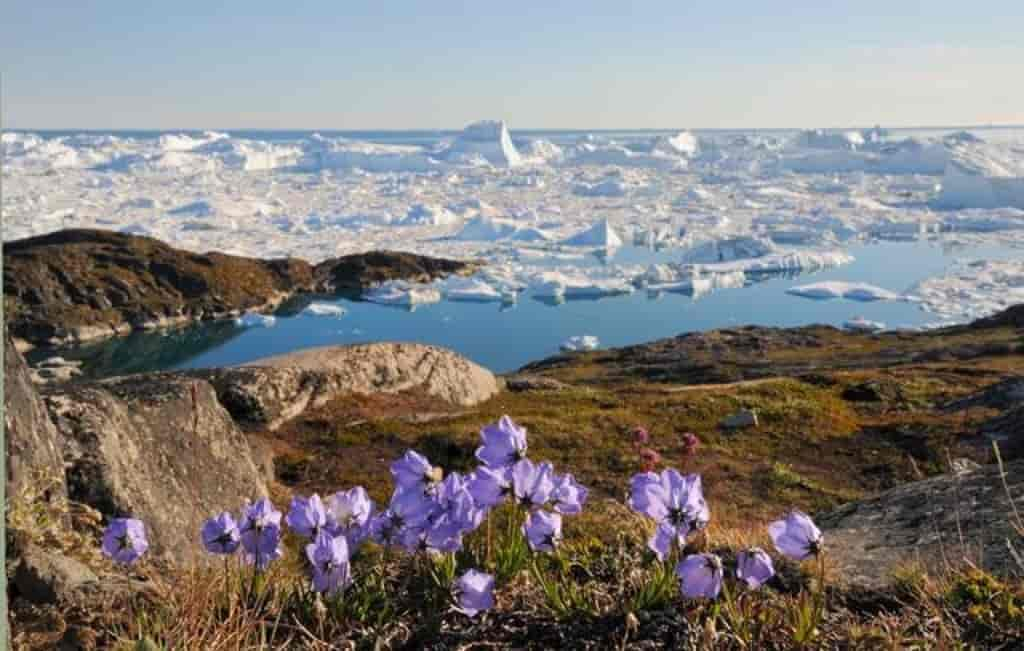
column 728, row 204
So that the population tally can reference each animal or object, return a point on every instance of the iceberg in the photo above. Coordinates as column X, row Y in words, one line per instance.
column 683, row 143
column 967, row 185
column 601, row 234
column 488, row 139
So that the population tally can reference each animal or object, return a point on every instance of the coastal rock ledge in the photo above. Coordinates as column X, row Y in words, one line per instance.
column 81, row 284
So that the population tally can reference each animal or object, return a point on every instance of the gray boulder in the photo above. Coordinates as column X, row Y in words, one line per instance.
column 917, row 522
column 158, row 447
column 46, row 577
column 271, row 391
column 33, row 445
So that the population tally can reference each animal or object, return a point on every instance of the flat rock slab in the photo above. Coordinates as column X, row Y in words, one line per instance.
column 270, row 391
column 917, row 522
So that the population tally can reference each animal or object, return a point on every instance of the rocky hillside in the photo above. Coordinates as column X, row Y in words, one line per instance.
column 885, row 439
column 77, row 285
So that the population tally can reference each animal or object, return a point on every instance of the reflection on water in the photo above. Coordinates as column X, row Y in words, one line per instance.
column 506, row 336
column 140, row 352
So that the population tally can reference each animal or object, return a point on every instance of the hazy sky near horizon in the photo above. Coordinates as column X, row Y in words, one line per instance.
column 331, row 64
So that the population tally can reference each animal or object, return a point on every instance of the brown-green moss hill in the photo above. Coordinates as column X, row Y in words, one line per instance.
column 81, row 284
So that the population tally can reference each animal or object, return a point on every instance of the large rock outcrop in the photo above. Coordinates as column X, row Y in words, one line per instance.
column 81, row 284
column 76, row 285
column 917, row 522
column 363, row 270
column 33, row 445
column 268, row 392
column 158, row 447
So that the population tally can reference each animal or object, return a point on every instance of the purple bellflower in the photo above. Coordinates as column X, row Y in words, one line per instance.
column 532, row 484
column 700, row 576
column 220, row 534
column 307, row 516
column 796, row 536
column 413, row 473
column 328, row 556
column 674, row 501
column 474, row 592
column 348, row 514
column 124, row 540
column 260, row 531
column 504, row 444
column 489, row 486
column 754, row 567
column 543, row 531
column 569, row 495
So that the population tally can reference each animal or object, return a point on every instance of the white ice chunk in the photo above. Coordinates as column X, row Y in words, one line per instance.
column 422, row 214
column 729, row 249
column 839, row 289
column 402, row 293
column 324, row 309
column 860, row 324
column 256, row 320
column 580, row 343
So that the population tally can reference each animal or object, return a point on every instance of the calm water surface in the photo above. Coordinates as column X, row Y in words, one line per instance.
column 505, row 337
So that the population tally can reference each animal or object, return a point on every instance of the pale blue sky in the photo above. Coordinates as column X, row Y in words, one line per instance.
column 346, row 65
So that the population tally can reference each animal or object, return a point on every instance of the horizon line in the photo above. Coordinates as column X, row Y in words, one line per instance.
column 520, row 129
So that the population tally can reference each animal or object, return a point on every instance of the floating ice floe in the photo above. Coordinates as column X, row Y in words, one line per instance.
column 860, row 324
column 324, row 309
column 782, row 262
column 256, row 320
column 688, row 280
column 973, row 289
column 473, row 290
column 839, row 289
column 980, row 180
column 606, row 188
column 321, row 153
column 402, row 293
column 421, row 214
column 557, row 285
column 728, row 249
column 580, row 343
column 487, row 229
column 594, row 151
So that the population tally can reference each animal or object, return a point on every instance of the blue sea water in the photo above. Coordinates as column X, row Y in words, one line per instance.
column 504, row 338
